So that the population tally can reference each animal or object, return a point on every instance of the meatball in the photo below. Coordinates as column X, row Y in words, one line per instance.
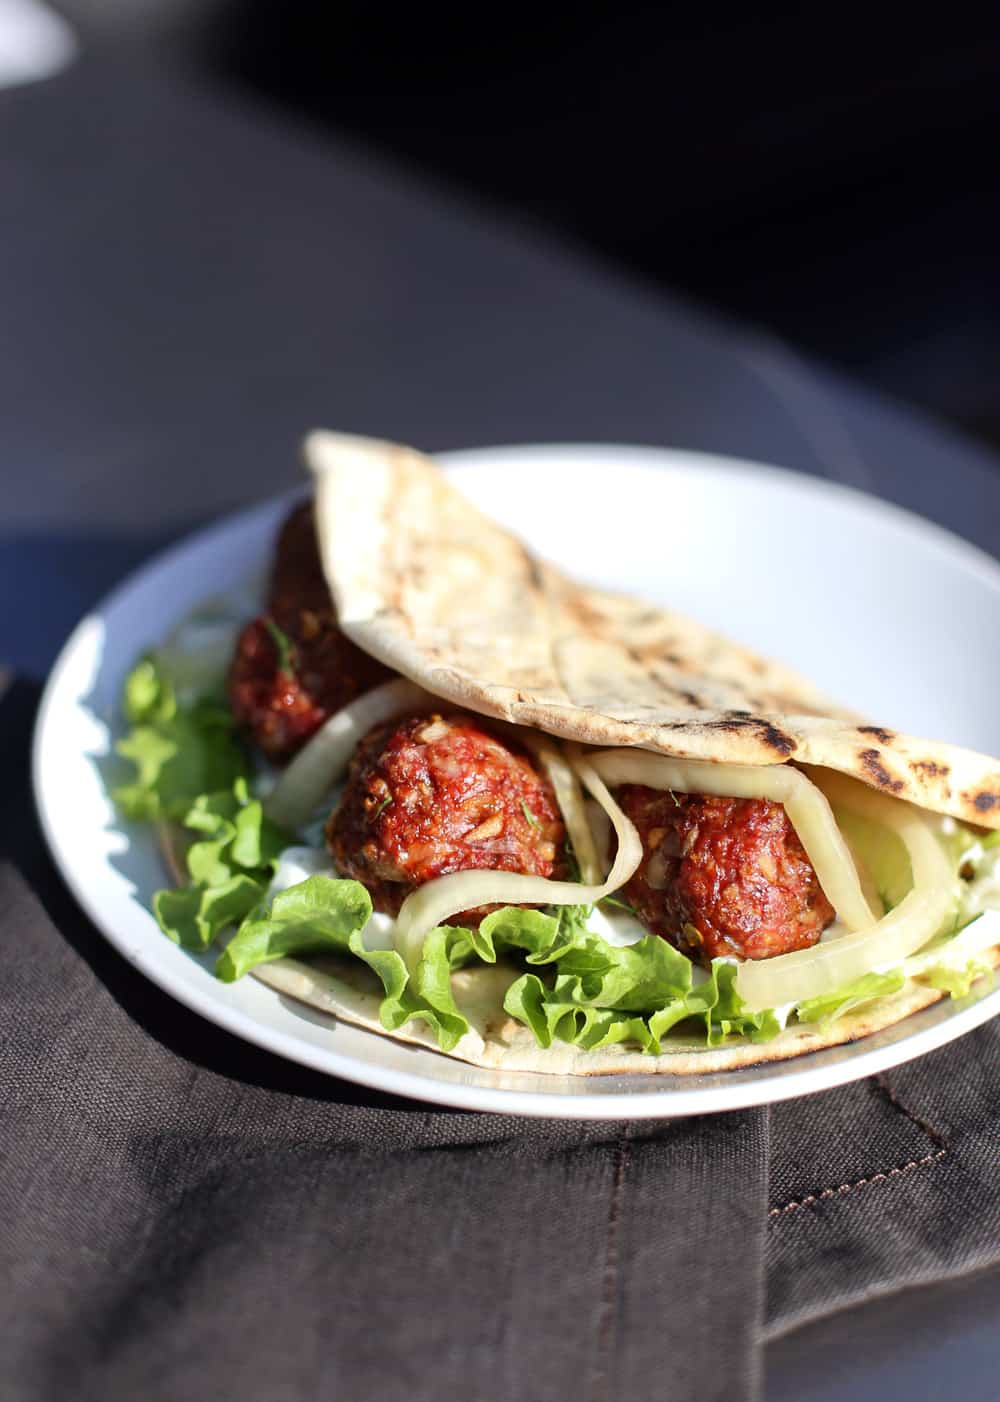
column 722, row 876
column 293, row 667
column 297, row 578
column 436, row 794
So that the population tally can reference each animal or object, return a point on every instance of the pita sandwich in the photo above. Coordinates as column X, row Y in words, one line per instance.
column 614, row 698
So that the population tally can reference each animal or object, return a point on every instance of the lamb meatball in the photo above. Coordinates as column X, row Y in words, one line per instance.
column 437, row 794
column 722, row 876
column 293, row 667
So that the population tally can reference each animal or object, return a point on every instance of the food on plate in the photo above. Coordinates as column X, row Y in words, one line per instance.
column 538, row 825
column 722, row 876
column 433, row 794
column 293, row 667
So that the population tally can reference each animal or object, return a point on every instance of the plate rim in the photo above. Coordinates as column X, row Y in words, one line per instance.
column 673, row 1096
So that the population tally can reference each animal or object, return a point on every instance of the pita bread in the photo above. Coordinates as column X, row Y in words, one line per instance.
column 433, row 588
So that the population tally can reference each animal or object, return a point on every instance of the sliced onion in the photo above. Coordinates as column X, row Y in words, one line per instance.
column 437, row 901
column 808, row 811
column 868, row 886
column 600, row 828
column 810, row 973
column 320, row 763
column 566, row 784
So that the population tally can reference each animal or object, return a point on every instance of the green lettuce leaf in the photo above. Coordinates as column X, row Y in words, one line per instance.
column 230, row 867
column 326, row 915
column 953, row 980
column 533, row 933
column 427, row 994
column 195, row 915
column 178, row 751
column 598, row 993
column 572, row 920
column 830, row 1006
column 316, row 916
column 541, row 936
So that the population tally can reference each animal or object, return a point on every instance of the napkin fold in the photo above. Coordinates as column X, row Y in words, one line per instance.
column 185, row 1214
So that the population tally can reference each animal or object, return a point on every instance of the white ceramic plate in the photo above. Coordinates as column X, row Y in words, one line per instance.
column 881, row 608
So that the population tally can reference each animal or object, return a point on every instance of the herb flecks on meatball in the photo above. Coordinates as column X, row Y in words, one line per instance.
column 293, row 668
column 436, row 794
column 722, row 876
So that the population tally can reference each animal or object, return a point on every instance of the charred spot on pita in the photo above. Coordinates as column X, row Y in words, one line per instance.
column 985, row 802
column 776, row 738
column 767, row 731
column 884, row 737
column 930, row 768
column 876, row 770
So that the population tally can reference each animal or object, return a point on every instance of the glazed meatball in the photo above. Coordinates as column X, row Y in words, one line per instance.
column 436, row 794
column 293, row 667
column 722, row 876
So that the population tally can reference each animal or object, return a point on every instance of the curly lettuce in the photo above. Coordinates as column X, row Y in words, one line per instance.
column 326, row 915
column 230, row 866
column 567, row 984
column 180, row 750
column 586, row 991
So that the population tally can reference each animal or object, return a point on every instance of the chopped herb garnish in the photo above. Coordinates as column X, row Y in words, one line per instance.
column 532, row 820
column 677, row 802
column 382, row 807
column 284, row 645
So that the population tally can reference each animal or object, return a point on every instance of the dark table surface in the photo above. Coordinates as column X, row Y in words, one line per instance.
column 188, row 283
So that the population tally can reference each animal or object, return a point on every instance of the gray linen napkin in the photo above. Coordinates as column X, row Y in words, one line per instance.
column 182, row 1214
